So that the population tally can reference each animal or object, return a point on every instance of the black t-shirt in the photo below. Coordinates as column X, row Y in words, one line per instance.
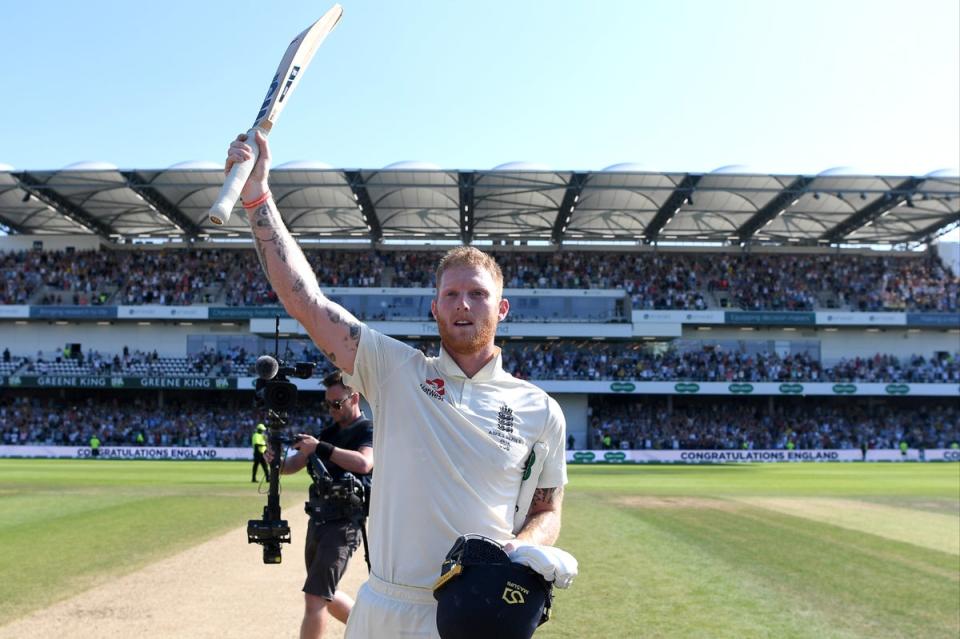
column 353, row 437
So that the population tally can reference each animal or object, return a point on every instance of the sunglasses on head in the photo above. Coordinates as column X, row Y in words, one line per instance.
column 335, row 404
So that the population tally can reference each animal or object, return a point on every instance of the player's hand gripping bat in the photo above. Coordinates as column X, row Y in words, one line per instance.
column 291, row 68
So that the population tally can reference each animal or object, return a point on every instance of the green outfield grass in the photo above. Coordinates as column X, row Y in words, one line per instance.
column 66, row 525
column 778, row 550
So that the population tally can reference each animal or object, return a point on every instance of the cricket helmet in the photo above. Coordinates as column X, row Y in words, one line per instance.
column 482, row 594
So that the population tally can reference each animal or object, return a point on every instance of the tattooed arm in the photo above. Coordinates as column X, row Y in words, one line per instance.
column 543, row 521
column 333, row 329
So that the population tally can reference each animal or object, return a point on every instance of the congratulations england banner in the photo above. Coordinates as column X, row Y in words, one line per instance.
column 187, row 453
column 198, row 453
column 753, row 456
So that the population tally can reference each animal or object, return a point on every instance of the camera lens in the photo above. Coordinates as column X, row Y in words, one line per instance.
column 271, row 554
column 280, row 395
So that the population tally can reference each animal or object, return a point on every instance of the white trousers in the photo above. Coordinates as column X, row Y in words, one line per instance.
column 388, row 611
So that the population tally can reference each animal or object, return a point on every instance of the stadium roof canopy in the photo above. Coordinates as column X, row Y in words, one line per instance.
column 512, row 202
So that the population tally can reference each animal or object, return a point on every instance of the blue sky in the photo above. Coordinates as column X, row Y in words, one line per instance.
column 690, row 85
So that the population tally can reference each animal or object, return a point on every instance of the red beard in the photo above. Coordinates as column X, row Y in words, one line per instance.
column 467, row 340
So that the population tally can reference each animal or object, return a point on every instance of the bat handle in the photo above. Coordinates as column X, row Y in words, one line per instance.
column 222, row 207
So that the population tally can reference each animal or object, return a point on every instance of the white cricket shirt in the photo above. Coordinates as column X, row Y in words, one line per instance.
column 449, row 453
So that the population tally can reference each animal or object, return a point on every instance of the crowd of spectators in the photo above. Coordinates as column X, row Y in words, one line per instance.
column 653, row 280
column 617, row 361
column 21, row 275
column 80, row 278
column 247, row 286
column 100, row 364
column 117, row 421
column 924, row 285
column 888, row 368
column 647, row 423
column 174, row 277
column 565, row 360
column 125, row 362
column 166, row 277
column 627, row 361
column 652, row 424
column 773, row 282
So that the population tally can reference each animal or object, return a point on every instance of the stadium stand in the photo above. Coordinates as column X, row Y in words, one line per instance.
column 647, row 424
column 829, row 423
column 650, row 423
column 556, row 360
column 181, row 421
column 694, row 310
column 660, row 280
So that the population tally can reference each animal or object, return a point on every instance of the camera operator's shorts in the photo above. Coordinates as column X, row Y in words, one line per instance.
column 388, row 611
column 326, row 554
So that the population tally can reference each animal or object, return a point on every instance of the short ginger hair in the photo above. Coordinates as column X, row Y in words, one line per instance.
column 470, row 256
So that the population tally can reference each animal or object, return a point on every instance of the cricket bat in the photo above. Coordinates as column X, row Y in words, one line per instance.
column 292, row 66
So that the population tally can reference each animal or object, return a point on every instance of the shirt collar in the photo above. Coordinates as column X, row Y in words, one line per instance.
column 351, row 424
column 490, row 371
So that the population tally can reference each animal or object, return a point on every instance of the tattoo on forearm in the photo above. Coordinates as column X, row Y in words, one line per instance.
column 261, row 256
column 304, row 285
column 543, row 522
column 263, row 217
column 265, row 220
column 280, row 243
column 543, row 496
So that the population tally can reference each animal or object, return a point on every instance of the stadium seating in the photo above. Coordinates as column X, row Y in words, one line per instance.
column 559, row 360
column 651, row 280
column 631, row 423
column 180, row 421
column 663, row 280
column 829, row 423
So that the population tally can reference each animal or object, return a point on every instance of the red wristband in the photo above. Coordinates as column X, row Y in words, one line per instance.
column 257, row 202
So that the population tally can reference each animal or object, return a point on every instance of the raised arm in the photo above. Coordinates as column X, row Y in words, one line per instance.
column 333, row 329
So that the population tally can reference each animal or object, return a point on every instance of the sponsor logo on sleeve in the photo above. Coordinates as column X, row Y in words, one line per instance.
column 528, row 467
column 433, row 388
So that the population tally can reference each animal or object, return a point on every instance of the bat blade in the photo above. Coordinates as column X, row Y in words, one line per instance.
column 295, row 60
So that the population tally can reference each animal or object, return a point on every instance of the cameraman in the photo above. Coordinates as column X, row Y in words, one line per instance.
column 345, row 447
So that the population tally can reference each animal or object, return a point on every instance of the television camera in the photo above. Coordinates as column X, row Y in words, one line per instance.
column 277, row 395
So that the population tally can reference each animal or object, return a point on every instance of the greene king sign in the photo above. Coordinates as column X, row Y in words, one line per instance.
column 103, row 381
